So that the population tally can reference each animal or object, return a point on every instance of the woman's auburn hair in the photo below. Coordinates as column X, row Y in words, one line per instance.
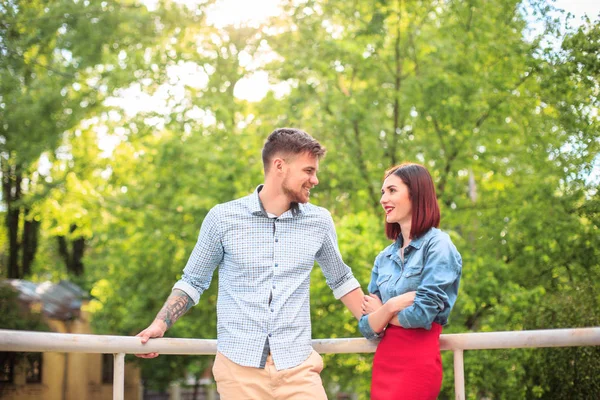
column 421, row 191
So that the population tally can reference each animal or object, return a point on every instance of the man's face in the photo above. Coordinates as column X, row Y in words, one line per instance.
column 300, row 175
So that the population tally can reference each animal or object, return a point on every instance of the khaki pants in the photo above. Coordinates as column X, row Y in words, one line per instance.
column 303, row 382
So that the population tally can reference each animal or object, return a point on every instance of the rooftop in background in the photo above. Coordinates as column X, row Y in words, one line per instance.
column 60, row 301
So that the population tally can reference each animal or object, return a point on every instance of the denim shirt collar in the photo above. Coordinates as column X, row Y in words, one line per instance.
column 392, row 251
column 257, row 208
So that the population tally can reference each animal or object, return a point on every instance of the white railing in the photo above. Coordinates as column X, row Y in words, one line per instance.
column 121, row 345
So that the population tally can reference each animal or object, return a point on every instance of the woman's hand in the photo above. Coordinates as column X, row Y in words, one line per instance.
column 399, row 303
column 371, row 303
column 382, row 315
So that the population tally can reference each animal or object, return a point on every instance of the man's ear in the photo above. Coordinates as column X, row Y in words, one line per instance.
column 278, row 164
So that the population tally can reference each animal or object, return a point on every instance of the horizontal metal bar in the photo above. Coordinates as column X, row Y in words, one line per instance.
column 521, row 339
column 480, row 341
column 78, row 343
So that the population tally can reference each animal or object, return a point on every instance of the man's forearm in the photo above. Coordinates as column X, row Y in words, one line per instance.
column 353, row 301
column 176, row 305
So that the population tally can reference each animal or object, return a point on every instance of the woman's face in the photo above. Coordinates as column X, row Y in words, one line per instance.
column 395, row 200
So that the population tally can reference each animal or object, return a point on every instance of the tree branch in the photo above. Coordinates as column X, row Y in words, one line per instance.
column 362, row 166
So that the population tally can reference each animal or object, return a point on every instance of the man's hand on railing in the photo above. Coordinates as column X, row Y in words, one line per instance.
column 156, row 330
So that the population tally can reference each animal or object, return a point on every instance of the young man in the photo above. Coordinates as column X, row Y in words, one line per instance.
column 266, row 245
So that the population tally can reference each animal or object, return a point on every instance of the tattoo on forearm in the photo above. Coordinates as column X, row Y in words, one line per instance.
column 176, row 305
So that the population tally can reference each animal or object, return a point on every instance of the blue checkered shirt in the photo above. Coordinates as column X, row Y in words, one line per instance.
column 264, row 277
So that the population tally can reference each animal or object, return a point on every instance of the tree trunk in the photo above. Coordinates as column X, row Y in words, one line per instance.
column 29, row 244
column 77, row 256
column 72, row 258
column 11, row 188
column 63, row 250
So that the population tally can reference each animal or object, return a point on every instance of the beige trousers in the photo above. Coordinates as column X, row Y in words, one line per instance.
column 303, row 382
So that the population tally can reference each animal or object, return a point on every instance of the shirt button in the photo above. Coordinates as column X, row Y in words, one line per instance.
column 270, row 335
column 276, row 240
column 272, row 310
column 273, row 286
column 277, row 265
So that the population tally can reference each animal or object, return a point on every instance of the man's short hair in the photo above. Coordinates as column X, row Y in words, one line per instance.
column 290, row 142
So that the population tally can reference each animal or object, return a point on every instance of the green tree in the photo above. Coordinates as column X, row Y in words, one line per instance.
column 505, row 121
column 172, row 167
column 59, row 61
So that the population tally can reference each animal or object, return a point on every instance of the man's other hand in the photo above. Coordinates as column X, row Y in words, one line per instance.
column 156, row 330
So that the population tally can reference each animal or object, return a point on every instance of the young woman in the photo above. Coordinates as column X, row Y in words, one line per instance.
column 414, row 284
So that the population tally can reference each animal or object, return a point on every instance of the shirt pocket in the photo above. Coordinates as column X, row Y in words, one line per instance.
column 413, row 270
column 383, row 282
column 410, row 279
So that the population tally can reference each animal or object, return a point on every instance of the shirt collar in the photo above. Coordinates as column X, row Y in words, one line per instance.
column 256, row 206
column 416, row 243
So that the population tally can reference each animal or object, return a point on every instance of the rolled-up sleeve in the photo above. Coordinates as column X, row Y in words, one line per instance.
column 363, row 324
column 373, row 288
column 442, row 269
column 338, row 275
column 365, row 328
column 206, row 256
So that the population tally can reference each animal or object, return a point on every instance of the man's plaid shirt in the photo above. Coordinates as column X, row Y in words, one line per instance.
column 264, row 277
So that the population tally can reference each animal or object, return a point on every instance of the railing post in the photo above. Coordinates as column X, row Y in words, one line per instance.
column 459, row 375
column 119, row 377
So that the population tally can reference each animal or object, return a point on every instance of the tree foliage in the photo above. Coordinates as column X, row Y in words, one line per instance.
column 504, row 116
column 60, row 60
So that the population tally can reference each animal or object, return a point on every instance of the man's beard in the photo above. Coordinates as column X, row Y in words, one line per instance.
column 295, row 196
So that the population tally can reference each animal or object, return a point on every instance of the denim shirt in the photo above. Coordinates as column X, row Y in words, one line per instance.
column 432, row 267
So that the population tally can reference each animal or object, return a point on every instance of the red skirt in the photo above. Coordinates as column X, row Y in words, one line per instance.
column 407, row 364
